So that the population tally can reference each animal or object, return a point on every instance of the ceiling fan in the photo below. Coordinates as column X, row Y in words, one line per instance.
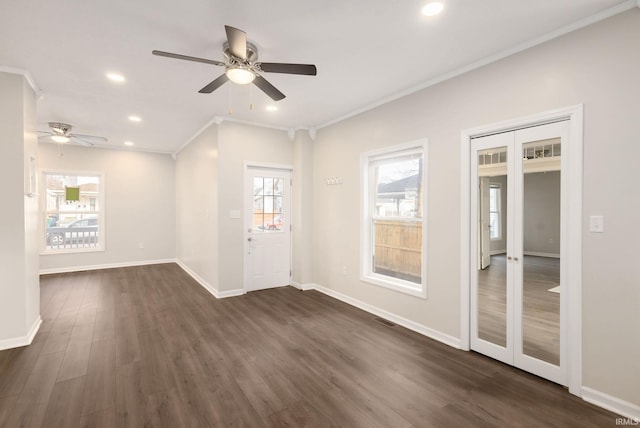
column 242, row 65
column 61, row 133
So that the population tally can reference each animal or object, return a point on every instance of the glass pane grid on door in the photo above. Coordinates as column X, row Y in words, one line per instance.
column 267, row 204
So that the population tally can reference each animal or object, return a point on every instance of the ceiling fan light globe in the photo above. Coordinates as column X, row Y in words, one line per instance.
column 240, row 75
column 60, row 139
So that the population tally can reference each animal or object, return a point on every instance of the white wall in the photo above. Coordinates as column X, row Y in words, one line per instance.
column 19, row 282
column 197, row 206
column 140, row 205
column 302, row 209
column 239, row 143
column 209, row 185
column 597, row 66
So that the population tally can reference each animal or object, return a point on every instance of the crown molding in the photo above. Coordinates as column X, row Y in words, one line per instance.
column 108, row 147
column 215, row 120
column 222, row 119
column 600, row 16
column 26, row 74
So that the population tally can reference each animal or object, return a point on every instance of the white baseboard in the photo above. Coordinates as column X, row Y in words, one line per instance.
column 105, row 266
column 538, row 254
column 411, row 325
column 16, row 342
column 616, row 405
column 303, row 287
column 231, row 293
column 209, row 287
column 496, row 252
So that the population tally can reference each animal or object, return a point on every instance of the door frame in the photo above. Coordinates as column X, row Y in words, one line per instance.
column 245, row 233
column 572, row 235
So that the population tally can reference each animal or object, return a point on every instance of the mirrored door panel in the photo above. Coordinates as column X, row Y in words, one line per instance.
column 541, row 189
column 492, row 236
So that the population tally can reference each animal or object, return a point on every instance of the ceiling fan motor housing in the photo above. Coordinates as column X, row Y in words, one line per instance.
column 60, row 128
column 252, row 53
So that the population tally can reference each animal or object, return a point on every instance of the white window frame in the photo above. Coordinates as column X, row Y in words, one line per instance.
column 366, row 218
column 498, row 211
column 101, row 213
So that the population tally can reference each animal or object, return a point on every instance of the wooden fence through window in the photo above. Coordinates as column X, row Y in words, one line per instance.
column 398, row 249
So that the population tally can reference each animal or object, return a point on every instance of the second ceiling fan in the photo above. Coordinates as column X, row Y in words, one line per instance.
column 242, row 65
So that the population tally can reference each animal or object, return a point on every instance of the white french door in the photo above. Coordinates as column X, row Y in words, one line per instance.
column 518, row 297
column 268, row 226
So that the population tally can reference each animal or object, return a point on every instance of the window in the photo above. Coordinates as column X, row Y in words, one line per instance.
column 74, row 206
column 393, row 229
column 495, row 203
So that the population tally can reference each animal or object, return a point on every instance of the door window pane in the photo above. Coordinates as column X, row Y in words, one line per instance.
column 267, row 204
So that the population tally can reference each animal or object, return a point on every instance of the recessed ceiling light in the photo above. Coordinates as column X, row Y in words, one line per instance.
column 128, row 143
column 115, row 77
column 135, row 118
column 272, row 108
column 432, row 9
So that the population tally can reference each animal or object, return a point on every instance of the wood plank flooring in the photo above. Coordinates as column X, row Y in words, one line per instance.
column 147, row 346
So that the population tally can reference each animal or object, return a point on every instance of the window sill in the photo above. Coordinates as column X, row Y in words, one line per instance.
column 72, row 251
column 399, row 285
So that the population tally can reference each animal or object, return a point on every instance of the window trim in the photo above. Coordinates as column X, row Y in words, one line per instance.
column 102, row 216
column 366, row 218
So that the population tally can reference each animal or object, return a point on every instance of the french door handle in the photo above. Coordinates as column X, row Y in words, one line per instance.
column 249, row 239
column 508, row 257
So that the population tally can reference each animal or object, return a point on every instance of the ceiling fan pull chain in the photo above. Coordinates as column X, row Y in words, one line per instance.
column 230, row 110
column 250, row 97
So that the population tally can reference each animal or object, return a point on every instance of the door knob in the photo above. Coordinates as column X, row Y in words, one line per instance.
column 249, row 239
column 509, row 258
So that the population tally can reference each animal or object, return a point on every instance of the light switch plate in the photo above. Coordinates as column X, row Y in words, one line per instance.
column 596, row 224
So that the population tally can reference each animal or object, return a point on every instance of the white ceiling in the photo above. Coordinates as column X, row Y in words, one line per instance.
column 365, row 51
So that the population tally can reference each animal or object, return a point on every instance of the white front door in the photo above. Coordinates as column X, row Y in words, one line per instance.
column 518, row 303
column 268, row 226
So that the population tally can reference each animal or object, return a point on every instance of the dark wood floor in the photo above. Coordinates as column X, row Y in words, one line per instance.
column 147, row 346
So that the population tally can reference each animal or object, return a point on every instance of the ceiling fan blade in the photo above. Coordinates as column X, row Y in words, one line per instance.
column 89, row 137
column 187, row 58
column 237, row 42
column 221, row 80
column 80, row 141
column 268, row 88
column 278, row 67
